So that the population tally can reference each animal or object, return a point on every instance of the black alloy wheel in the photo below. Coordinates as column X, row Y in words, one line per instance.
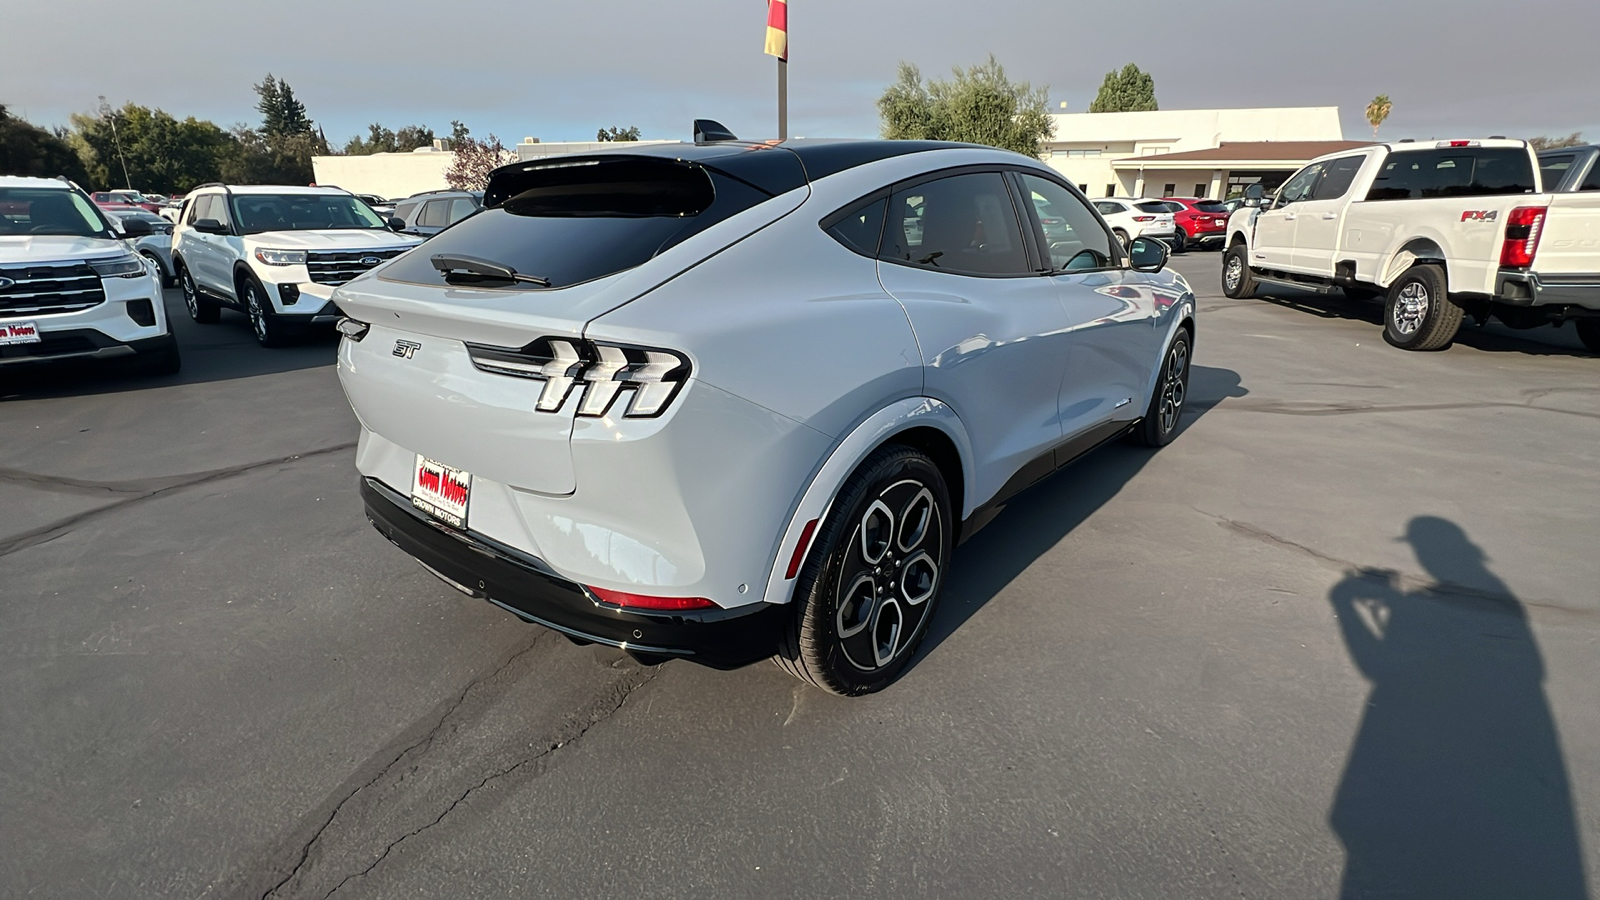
column 1165, row 413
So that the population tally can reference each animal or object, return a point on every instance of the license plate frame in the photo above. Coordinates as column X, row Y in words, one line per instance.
column 442, row 492
column 15, row 333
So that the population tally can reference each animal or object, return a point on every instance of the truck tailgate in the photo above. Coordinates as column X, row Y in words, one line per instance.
column 1570, row 243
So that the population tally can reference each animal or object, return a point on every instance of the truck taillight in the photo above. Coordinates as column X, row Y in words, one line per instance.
column 1522, row 236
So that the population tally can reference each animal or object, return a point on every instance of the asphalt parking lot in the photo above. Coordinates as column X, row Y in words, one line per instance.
column 1342, row 637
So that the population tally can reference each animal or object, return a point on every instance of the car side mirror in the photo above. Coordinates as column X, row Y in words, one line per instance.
column 136, row 228
column 1148, row 254
column 209, row 226
column 396, row 223
column 1254, row 192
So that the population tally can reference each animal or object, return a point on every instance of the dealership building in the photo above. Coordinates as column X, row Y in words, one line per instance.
column 1212, row 153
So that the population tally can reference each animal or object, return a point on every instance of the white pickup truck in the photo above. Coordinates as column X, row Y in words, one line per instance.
column 1441, row 230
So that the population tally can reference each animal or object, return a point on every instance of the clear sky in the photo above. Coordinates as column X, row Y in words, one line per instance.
column 560, row 70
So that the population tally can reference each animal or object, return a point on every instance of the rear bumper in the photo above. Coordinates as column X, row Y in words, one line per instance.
column 1522, row 288
column 526, row 586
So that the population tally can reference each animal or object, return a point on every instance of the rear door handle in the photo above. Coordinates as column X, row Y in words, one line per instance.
column 1330, row 215
column 1288, row 217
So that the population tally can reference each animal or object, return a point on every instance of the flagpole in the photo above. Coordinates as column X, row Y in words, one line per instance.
column 783, row 99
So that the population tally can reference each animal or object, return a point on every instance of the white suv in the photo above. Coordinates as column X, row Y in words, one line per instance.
column 276, row 253
column 70, row 286
column 1131, row 218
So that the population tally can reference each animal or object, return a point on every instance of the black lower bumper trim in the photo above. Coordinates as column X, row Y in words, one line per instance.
column 488, row 570
column 78, row 343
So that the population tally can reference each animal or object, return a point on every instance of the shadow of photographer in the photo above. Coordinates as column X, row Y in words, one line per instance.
column 1455, row 784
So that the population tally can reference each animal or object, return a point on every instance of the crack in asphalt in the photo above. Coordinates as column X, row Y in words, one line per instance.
column 595, row 718
column 1444, row 590
column 423, row 742
column 134, row 491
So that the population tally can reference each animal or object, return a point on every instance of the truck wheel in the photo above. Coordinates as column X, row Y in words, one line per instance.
column 1237, row 282
column 1418, row 314
column 872, row 579
column 1589, row 333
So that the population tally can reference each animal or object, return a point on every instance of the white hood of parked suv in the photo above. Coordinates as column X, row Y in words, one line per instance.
column 332, row 239
column 40, row 248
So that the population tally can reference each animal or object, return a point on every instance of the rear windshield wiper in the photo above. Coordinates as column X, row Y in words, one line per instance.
column 474, row 269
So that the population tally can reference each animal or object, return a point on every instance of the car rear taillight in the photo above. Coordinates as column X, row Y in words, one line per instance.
column 1522, row 236
column 352, row 329
column 628, row 600
column 1144, row 218
column 601, row 372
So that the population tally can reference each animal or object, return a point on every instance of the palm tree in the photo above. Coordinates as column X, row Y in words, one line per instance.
column 1377, row 111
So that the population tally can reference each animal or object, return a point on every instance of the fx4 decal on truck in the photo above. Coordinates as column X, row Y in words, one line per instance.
column 1480, row 215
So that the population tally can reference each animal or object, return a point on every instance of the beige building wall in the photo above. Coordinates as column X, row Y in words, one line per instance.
column 1085, row 144
column 389, row 175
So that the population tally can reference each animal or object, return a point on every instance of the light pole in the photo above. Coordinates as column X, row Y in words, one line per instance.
column 110, row 116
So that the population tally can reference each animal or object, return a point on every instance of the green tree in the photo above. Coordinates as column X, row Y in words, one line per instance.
column 1549, row 143
column 257, row 158
column 27, row 149
column 281, row 113
column 631, row 133
column 1130, row 90
column 162, row 153
column 979, row 105
column 458, row 132
column 1377, row 111
column 381, row 140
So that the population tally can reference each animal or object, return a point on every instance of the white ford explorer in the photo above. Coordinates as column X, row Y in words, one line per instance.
column 276, row 253
column 71, row 287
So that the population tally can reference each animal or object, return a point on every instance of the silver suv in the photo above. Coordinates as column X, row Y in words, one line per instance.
column 729, row 401
column 276, row 253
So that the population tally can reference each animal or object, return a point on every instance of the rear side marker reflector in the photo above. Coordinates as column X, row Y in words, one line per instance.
column 645, row 601
column 600, row 372
column 800, row 550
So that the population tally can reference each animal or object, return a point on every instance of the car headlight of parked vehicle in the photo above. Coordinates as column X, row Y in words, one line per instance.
column 281, row 257
column 130, row 266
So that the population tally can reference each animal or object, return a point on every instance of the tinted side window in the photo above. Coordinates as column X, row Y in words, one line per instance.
column 965, row 224
column 435, row 214
column 1554, row 168
column 1072, row 233
column 461, row 207
column 193, row 212
column 406, row 211
column 1592, row 182
column 1300, row 186
column 1341, row 173
column 1108, row 209
column 858, row 228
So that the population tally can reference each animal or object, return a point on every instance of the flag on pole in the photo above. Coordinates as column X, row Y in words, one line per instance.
column 778, row 29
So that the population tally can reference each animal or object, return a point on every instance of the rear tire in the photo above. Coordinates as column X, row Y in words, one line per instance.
column 1237, row 282
column 1164, row 415
column 872, row 579
column 166, row 280
column 202, row 310
column 1180, row 241
column 1418, row 314
column 1589, row 333
column 1122, row 238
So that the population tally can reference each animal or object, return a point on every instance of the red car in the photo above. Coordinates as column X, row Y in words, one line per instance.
column 1200, row 222
column 124, row 200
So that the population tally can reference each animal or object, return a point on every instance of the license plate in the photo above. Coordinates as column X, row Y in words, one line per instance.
column 19, row 333
column 441, row 491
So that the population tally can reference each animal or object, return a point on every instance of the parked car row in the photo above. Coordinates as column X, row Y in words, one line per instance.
column 1440, row 230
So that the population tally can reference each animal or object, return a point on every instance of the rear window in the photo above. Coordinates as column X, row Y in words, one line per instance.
column 1453, row 172
column 1592, row 183
column 1156, row 206
column 578, row 220
column 1554, row 168
column 1211, row 206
